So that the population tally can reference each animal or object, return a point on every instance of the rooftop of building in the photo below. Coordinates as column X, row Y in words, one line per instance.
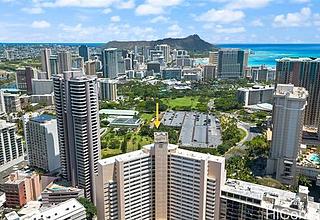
column 230, row 49
column 298, row 59
column 4, row 124
column 43, row 118
column 290, row 91
column 272, row 198
column 107, row 80
column 257, row 88
column 12, row 216
column 19, row 176
column 111, row 49
column 260, row 107
column 59, row 188
column 32, row 207
column 11, row 94
column 125, row 121
column 118, row 112
column 42, row 80
column 60, row 211
column 153, row 62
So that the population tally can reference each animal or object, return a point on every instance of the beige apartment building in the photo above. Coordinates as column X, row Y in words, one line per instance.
column 159, row 182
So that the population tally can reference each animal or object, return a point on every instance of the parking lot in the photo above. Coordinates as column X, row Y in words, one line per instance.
column 197, row 129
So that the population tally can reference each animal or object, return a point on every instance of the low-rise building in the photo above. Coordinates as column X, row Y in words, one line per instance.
column 56, row 193
column 192, row 76
column 68, row 210
column 20, row 188
column 172, row 73
column 255, row 95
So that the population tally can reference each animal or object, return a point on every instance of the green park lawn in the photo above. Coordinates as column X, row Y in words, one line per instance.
column 187, row 101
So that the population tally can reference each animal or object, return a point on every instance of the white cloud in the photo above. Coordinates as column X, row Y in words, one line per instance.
column 148, row 10
column 164, row 3
column 126, row 5
column 154, row 7
column 80, row 31
column 174, row 31
column 34, row 10
column 297, row 19
column 300, row 1
column 107, row 11
column 79, row 3
column 257, row 23
column 159, row 19
column 223, row 16
column 316, row 19
column 115, row 18
column 241, row 4
column 233, row 30
column 40, row 24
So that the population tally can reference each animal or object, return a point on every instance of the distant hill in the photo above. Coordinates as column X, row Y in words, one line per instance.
column 190, row 43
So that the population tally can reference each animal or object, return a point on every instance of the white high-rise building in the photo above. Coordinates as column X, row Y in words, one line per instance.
column 165, row 48
column 76, row 101
column 42, row 143
column 42, row 86
column 160, row 181
column 11, row 147
column 2, row 103
column 108, row 89
column 45, row 62
column 288, row 114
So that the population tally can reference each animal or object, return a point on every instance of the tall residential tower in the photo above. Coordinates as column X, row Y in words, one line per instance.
column 110, row 61
column 76, row 98
column 45, row 62
column 64, row 62
column 288, row 112
column 84, row 52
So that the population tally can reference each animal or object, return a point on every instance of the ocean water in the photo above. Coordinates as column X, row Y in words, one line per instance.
column 266, row 54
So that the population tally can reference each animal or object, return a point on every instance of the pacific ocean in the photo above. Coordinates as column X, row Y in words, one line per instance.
column 266, row 54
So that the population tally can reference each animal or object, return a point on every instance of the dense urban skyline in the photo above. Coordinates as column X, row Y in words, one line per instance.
column 159, row 109
column 217, row 21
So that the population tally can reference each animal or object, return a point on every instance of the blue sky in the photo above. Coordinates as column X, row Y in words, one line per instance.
column 217, row 21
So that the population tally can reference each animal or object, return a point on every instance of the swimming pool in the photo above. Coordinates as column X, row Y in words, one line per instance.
column 315, row 158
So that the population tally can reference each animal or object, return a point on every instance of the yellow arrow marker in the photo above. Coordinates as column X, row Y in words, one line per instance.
column 157, row 122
